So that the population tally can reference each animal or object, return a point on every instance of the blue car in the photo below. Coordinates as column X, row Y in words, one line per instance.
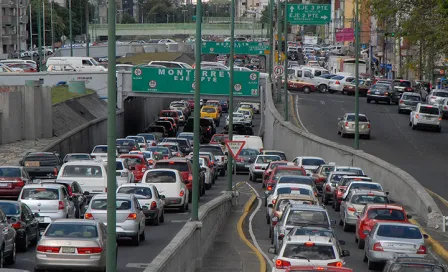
column 224, row 105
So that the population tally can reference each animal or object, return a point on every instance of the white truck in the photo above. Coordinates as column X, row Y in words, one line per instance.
column 307, row 74
column 345, row 64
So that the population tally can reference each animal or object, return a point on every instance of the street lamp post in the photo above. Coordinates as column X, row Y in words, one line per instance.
column 271, row 38
column 231, row 87
column 52, row 28
column 31, row 31
column 70, row 25
column 285, row 30
column 279, row 48
column 357, row 75
column 39, row 36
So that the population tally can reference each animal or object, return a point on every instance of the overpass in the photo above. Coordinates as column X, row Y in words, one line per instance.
column 172, row 29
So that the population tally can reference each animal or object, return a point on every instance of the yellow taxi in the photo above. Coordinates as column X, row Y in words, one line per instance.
column 247, row 107
column 211, row 112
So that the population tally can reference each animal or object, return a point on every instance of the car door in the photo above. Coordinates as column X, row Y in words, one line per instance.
column 32, row 225
column 69, row 205
column 140, row 214
column 8, row 231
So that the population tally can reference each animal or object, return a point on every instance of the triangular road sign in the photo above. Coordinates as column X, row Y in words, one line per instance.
column 235, row 147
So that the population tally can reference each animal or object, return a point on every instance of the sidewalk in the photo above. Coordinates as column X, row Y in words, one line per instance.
column 229, row 252
column 12, row 153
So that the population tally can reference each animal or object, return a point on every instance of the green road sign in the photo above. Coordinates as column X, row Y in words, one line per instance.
column 181, row 81
column 309, row 14
column 246, row 48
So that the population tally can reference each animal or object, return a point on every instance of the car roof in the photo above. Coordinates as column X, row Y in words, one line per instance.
column 363, row 192
column 395, row 223
column 398, row 258
column 352, row 113
column 357, row 177
column 136, row 185
column 308, row 238
column 309, row 157
column 84, row 162
column 294, row 196
column 411, row 93
column 273, row 151
column 76, row 221
column 296, row 185
column 307, row 207
column 46, row 185
column 119, row 195
column 183, row 159
column 384, row 206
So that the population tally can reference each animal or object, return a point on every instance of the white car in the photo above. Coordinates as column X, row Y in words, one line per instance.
column 169, row 183
column 237, row 118
column 151, row 201
column 426, row 116
column 181, row 117
column 246, row 113
column 99, row 152
column 123, row 174
column 365, row 185
column 141, row 141
column 436, row 97
column 287, row 188
column 209, row 180
column 309, row 163
column 337, row 83
column 257, row 169
column 173, row 147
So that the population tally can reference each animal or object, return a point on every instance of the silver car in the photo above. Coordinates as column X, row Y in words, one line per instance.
column 346, row 125
column 408, row 102
column 329, row 186
column 387, row 238
column 130, row 216
column 257, row 169
column 8, row 238
column 72, row 244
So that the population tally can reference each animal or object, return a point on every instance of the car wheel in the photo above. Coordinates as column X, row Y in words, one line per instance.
column 24, row 243
column 11, row 259
column 410, row 123
column 345, row 227
column 143, row 236
column 400, row 111
column 156, row 221
column 36, row 239
column 344, row 92
column 306, row 90
column 207, row 186
column 368, row 136
column 414, row 127
column 263, row 185
column 365, row 257
column 361, row 243
column 162, row 217
column 340, row 222
column 182, row 209
column 332, row 204
column 324, row 199
column 439, row 129
column 342, row 134
column 337, row 206
column 368, row 101
column 268, row 220
column 222, row 173
column 389, row 101
column 356, row 239
column 371, row 265
column 270, row 233
column 323, row 88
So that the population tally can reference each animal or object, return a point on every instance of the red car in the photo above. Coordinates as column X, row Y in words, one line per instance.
column 137, row 164
column 271, row 166
column 170, row 113
column 12, row 180
column 281, row 171
column 27, row 68
column 317, row 268
column 297, row 85
column 191, row 103
column 218, row 138
column 340, row 188
column 374, row 213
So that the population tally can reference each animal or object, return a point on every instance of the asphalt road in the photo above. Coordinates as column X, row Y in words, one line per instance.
column 421, row 153
column 131, row 258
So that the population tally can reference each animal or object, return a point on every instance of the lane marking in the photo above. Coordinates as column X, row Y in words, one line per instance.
column 297, row 114
column 435, row 245
column 247, row 208
column 443, row 200
column 137, row 265
column 251, row 232
column 322, row 102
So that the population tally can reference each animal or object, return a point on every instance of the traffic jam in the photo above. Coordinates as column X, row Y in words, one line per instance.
column 297, row 198
column 59, row 204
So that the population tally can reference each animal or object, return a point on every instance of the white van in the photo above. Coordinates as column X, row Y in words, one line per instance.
column 82, row 64
column 252, row 142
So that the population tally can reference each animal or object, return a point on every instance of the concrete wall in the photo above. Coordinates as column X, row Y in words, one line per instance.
column 189, row 246
column 281, row 135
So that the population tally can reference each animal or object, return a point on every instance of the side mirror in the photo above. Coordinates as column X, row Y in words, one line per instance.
column 341, row 242
column 356, row 214
column 345, row 253
column 270, row 206
column 36, row 215
column 86, row 193
column 366, row 232
column 272, row 250
column 409, row 216
column 426, row 236
column 387, row 193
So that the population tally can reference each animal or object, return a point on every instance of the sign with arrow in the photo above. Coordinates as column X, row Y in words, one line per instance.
column 309, row 14
column 235, row 147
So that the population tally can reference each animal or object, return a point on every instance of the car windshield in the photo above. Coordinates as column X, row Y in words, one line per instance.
column 267, row 159
column 143, row 191
column 186, row 136
column 181, row 142
column 172, row 148
column 40, row 193
column 314, row 162
column 160, row 177
column 429, row 110
column 292, row 190
column 441, row 94
column 296, row 179
column 366, row 199
column 309, row 217
column 285, row 172
column 415, row 267
column 71, row 230
column 82, row 171
column 273, row 165
column 380, row 87
column 351, row 170
column 238, row 115
column 309, row 252
column 366, row 186
column 161, row 150
column 168, row 114
column 336, row 178
column 77, row 157
column 402, row 83
column 100, row 149
column 10, row 208
column 326, row 170
column 220, row 138
column 148, row 137
column 124, row 142
column 399, row 231
column 101, row 204
column 386, row 214
column 209, row 110
column 120, row 166
column 40, row 160
column 351, row 118
column 249, row 153
column 10, row 172
column 180, row 166
column 140, row 140
column 216, row 151
column 280, row 154
column 411, row 98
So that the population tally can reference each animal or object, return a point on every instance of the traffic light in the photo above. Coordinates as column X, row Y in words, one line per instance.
column 392, row 34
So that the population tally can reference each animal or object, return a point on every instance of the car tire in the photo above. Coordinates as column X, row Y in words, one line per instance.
column 400, row 111
column 439, row 129
column 344, row 92
column 143, row 236
column 162, row 217
column 323, row 88
column 389, row 101
column 222, row 173
column 337, row 206
column 414, row 127
column 182, row 209
column 341, row 222
column 24, row 243
column 342, row 134
column 268, row 220
column 324, row 200
column 410, row 123
column 11, row 259
column 368, row 136
column 263, row 185
column 270, row 233
column 156, row 221
column 306, row 90
column 365, row 257
column 345, row 227
column 368, row 101
column 361, row 243
column 356, row 239
column 36, row 239
column 207, row 186
column 371, row 265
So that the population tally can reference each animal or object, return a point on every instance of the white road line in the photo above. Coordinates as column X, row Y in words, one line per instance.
column 251, row 232
column 297, row 114
column 322, row 102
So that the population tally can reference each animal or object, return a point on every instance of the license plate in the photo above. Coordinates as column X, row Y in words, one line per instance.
column 428, row 118
column 32, row 164
column 4, row 184
column 68, row 250
column 377, row 92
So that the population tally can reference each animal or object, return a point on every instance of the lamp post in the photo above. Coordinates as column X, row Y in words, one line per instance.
column 52, row 28
column 39, row 36
column 31, row 32
column 70, row 25
column 271, row 38
column 232, row 68
column 357, row 75
column 279, row 48
column 285, row 33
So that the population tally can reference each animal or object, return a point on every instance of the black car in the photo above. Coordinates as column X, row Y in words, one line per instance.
column 41, row 165
column 224, row 105
column 240, row 129
column 158, row 131
column 383, row 93
column 184, row 144
column 171, row 132
column 22, row 219
column 245, row 159
column 189, row 127
column 402, row 263
column 124, row 146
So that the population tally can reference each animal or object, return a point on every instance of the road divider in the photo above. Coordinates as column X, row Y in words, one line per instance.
column 282, row 135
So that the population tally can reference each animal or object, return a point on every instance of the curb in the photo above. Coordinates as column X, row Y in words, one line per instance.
column 436, row 246
column 247, row 209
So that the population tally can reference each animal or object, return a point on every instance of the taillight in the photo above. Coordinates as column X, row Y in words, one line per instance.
column 153, row 205
column 257, row 167
column 337, row 264
column 20, row 182
column 401, row 102
column 88, row 216
column 274, row 201
column 269, row 188
column 386, row 94
column 89, row 250
column 55, row 171
column 351, row 209
column 445, row 107
column 48, row 249
column 337, row 82
column 134, row 148
column 369, row 91
column 17, row 225
column 281, row 264
column 421, row 250
column 61, row 205
column 416, row 116
column 181, row 193
column 377, row 247
column 368, row 125
column 346, row 124
column 440, row 118
column 190, row 177
column 328, row 188
column 154, row 144
column 132, row 216
column 144, row 146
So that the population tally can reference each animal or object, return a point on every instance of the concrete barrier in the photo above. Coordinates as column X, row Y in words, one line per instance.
column 188, row 247
column 282, row 135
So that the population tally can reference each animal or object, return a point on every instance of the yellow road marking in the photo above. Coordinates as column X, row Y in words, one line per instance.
column 247, row 208
column 436, row 246
column 444, row 201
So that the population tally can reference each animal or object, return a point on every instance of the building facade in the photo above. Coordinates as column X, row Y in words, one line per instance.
column 13, row 19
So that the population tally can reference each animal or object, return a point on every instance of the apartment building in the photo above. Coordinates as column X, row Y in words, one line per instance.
column 13, row 21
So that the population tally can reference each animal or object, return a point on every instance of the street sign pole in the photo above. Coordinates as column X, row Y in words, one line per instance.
column 39, row 38
column 285, row 30
column 197, row 116
column 357, row 75
column 231, row 87
column 279, row 48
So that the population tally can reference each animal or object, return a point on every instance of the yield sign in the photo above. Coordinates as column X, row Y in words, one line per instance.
column 235, row 147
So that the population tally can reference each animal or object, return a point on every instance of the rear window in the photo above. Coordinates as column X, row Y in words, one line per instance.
column 362, row 118
column 143, row 191
column 100, row 149
column 209, row 110
column 305, row 252
column 309, row 217
column 403, row 83
column 248, row 153
column 440, row 94
column 134, row 160
column 101, row 204
column 380, row 87
column 366, row 199
column 160, row 177
column 63, row 230
column 351, row 170
column 267, row 159
column 82, row 171
column 292, row 190
column 397, row 231
column 168, row 114
column 216, row 151
column 366, row 186
column 148, row 137
column 126, row 142
column 337, row 77
column 137, row 139
column 411, row 98
column 204, row 122
column 160, row 150
column 120, row 166
column 386, row 214
column 280, row 154
column 429, row 110
column 10, row 208
column 180, row 166
column 298, row 180
column 181, row 142
column 417, row 267
column 273, row 165
column 313, row 232
column 326, row 170
column 10, row 172
column 40, row 193
column 41, row 160
column 315, row 162
column 288, row 173
column 219, row 138
column 77, row 157
column 186, row 136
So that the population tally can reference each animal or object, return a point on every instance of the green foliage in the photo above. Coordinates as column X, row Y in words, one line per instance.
column 127, row 19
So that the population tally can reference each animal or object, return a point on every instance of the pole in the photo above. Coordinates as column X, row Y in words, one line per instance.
column 52, row 28
column 357, row 76
column 285, row 30
column 231, row 67
column 197, row 115
column 70, row 24
column 18, row 29
column 39, row 38
column 271, row 38
column 87, row 29
column 111, row 255
column 43, row 26
column 279, row 49
column 31, row 31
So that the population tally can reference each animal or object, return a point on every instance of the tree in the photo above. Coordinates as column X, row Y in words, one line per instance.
column 127, row 19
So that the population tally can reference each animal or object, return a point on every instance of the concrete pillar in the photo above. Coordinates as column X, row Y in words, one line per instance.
column 11, row 117
column 47, row 113
column 31, row 100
